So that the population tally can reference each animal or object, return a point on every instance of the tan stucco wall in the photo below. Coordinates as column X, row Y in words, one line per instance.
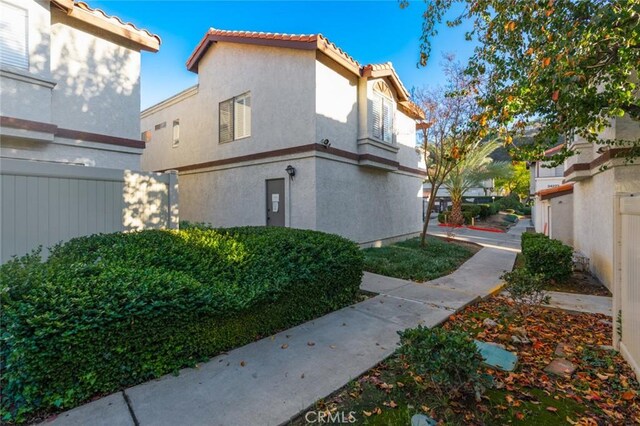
column 594, row 200
column 336, row 95
column 98, row 81
column 593, row 223
column 366, row 204
column 236, row 196
column 67, row 151
column 561, row 227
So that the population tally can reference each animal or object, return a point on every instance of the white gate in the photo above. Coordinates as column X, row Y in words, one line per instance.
column 630, row 279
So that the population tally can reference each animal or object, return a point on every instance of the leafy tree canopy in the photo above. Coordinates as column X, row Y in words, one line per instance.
column 569, row 66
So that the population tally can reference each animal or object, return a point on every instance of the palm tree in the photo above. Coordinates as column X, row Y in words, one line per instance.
column 475, row 167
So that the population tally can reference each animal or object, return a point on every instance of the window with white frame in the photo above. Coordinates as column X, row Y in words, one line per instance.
column 235, row 118
column 383, row 108
column 14, row 36
column 176, row 132
column 383, row 118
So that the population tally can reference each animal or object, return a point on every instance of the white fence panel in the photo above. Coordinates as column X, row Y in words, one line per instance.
column 45, row 203
column 630, row 279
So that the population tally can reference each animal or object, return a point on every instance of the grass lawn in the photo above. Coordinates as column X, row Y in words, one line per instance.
column 603, row 389
column 408, row 260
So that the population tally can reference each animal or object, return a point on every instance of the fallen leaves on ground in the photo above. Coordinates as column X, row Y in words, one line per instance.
column 603, row 387
column 603, row 382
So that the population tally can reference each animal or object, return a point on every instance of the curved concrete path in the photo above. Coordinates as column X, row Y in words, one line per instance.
column 272, row 380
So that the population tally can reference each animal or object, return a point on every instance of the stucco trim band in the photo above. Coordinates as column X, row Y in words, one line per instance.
column 36, row 126
column 299, row 150
column 606, row 156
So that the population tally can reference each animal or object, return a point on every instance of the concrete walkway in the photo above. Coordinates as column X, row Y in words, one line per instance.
column 507, row 241
column 272, row 380
column 581, row 303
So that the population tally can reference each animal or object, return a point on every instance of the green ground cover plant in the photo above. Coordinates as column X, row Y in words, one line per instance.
column 108, row 311
column 408, row 260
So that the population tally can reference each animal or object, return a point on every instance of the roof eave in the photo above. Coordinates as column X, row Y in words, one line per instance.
column 369, row 72
column 150, row 43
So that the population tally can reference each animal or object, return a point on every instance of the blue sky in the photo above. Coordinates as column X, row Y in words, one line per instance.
column 370, row 31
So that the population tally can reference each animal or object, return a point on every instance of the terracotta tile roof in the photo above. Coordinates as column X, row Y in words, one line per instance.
column 556, row 191
column 386, row 70
column 299, row 41
column 308, row 42
column 553, row 150
column 112, row 24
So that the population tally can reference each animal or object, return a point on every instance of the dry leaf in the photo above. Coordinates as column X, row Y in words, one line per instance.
column 310, row 343
column 285, row 346
column 628, row 395
column 367, row 413
column 242, row 363
column 552, row 409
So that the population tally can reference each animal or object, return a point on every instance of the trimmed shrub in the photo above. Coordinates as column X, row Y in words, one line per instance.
column 442, row 217
column 527, row 290
column 526, row 210
column 474, row 209
column 548, row 257
column 485, row 210
column 512, row 218
column 511, row 202
column 526, row 237
column 109, row 311
column 448, row 359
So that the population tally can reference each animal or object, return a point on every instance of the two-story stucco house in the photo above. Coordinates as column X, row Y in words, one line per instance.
column 289, row 130
column 70, row 144
column 70, row 84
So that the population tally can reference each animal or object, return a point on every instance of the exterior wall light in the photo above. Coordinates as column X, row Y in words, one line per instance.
column 291, row 171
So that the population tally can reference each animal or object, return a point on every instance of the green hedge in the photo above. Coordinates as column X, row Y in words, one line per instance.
column 108, row 311
column 548, row 257
column 511, row 202
column 512, row 218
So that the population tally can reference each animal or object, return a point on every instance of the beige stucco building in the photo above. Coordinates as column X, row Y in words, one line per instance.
column 600, row 175
column 265, row 103
column 70, row 84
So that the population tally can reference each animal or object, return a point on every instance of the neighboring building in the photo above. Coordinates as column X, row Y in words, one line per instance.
column 70, row 84
column 553, row 209
column 70, row 98
column 596, row 209
column 545, row 178
column 290, row 130
column 600, row 176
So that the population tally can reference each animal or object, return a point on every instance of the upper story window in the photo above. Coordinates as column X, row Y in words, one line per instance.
column 13, row 36
column 383, row 108
column 235, row 118
column 176, row 133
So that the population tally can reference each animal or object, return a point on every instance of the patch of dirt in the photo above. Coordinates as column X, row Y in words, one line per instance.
column 581, row 283
column 495, row 221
